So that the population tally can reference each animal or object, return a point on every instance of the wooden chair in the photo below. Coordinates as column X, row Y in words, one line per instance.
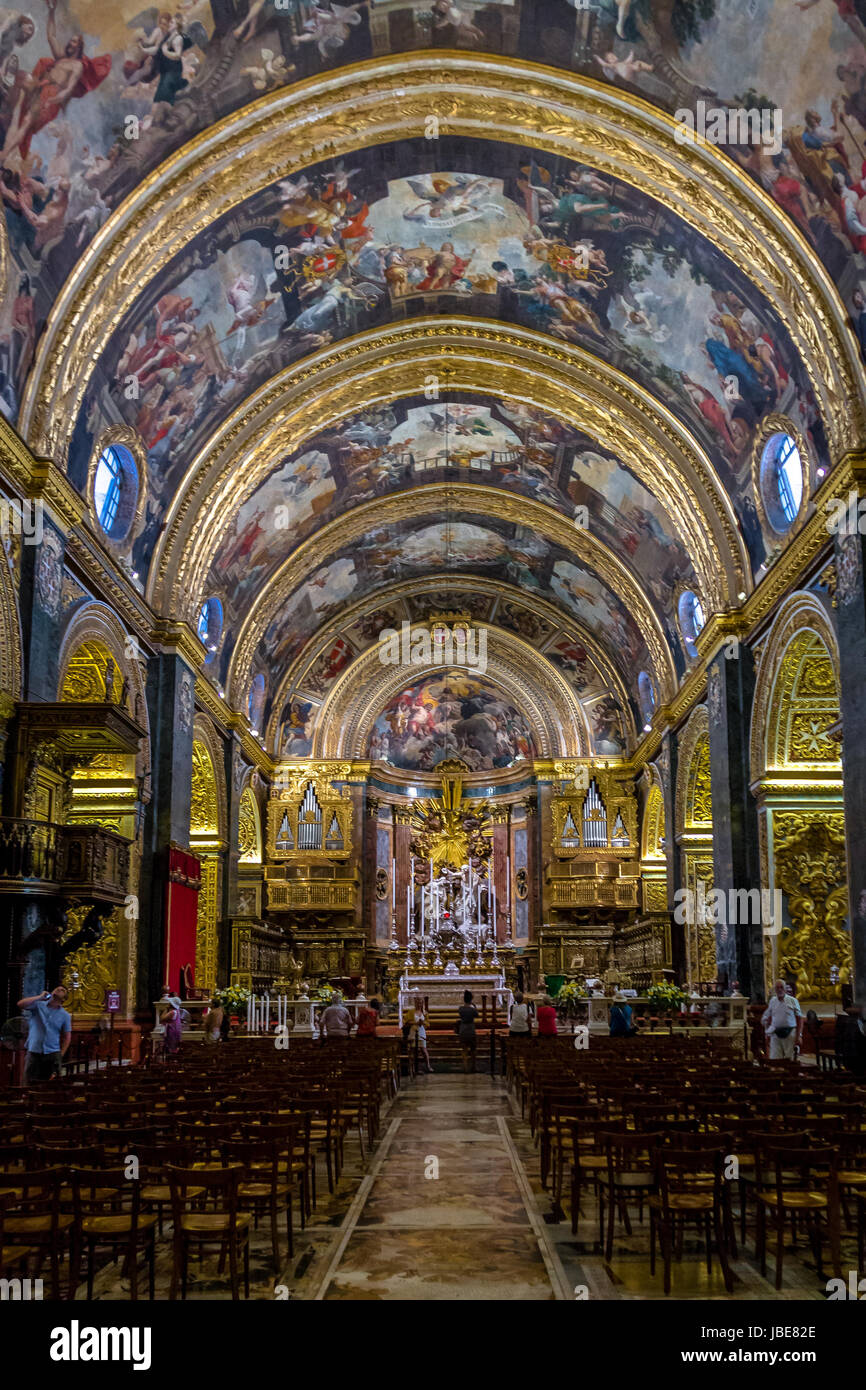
column 263, row 1189
column 631, row 1178
column 223, row 1225
column 154, row 1159
column 108, row 1215
column 797, row 1183
column 12, row 1257
column 34, row 1218
column 690, row 1187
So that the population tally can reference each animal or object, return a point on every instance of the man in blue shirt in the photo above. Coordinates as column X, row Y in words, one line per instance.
column 49, row 1035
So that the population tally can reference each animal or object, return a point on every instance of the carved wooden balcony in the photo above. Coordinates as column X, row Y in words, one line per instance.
column 594, row 892
column 311, row 894
column 82, row 861
column 80, row 730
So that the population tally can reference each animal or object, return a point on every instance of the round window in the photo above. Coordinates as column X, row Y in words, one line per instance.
column 691, row 615
column 781, row 481
column 115, row 491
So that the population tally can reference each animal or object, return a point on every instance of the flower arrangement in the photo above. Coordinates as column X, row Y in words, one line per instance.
column 232, row 997
column 569, row 994
column 665, row 996
column 326, row 993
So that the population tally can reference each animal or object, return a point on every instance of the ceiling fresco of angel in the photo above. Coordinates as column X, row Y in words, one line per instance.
column 545, row 244
column 455, row 715
column 93, row 96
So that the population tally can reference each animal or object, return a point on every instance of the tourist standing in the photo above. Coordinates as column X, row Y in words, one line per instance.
column 621, row 1018
column 336, row 1021
column 49, row 1034
column 368, row 1019
column 782, row 1021
column 466, row 1016
column 214, row 1022
column 171, row 1022
column 546, row 1015
column 518, row 1018
column 419, row 1032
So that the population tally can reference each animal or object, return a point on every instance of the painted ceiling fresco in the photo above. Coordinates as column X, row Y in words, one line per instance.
column 93, row 96
column 496, row 442
column 611, row 728
column 455, row 715
column 544, row 244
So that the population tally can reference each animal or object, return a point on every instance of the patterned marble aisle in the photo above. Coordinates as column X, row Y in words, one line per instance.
column 446, row 1211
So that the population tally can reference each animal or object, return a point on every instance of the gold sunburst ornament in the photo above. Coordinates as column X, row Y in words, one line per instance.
column 449, row 830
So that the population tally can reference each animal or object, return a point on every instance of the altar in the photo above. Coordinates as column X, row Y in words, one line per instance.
column 444, row 992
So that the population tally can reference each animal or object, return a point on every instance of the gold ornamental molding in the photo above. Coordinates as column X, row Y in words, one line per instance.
column 474, row 96
column 560, row 621
column 451, row 499
column 468, row 355
column 802, row 616
column 544, row 696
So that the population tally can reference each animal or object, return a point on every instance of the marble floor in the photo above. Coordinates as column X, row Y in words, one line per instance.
column 449, row 1206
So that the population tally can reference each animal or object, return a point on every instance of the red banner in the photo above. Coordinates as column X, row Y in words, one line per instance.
column 181, row 916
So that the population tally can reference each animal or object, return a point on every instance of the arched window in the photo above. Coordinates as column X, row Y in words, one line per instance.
column 256, row 703
column 210, row 625
column 646, row 695
column 781, row 478
column 690, row 612
column 115, row 490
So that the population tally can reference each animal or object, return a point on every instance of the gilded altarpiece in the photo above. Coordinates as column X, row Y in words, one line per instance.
column 801, row 817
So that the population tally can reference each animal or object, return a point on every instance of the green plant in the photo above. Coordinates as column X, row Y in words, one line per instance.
column 665, row 996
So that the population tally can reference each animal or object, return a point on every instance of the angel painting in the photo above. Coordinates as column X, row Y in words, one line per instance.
column 447, row 200
column 248, row 310
column 329, row 28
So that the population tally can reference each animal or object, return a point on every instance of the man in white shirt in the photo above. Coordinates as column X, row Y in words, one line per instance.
column 783, row 1023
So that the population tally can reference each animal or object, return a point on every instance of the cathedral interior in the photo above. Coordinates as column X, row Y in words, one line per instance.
column 432, row 453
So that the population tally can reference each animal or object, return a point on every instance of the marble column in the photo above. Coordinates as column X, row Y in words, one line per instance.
column 369, row 865
column 851, row 614
column 668, row 763
column 736, row 856
column 171, row 707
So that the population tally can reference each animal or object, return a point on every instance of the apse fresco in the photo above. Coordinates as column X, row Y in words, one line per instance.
column 451, row 716
column 607, row 725
column 542, row 243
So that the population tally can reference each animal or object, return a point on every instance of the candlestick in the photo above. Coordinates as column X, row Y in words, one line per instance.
column 393, row 882
column 507, row 882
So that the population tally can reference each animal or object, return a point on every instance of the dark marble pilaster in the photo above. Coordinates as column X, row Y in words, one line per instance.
column 667, row 763
column 39, row 598
column 736, row 855
column 171, row 707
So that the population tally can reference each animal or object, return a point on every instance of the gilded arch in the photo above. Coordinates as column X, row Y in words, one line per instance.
column 357, row 374
column 382, row 100
column 450, row 498
column 797, row 778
